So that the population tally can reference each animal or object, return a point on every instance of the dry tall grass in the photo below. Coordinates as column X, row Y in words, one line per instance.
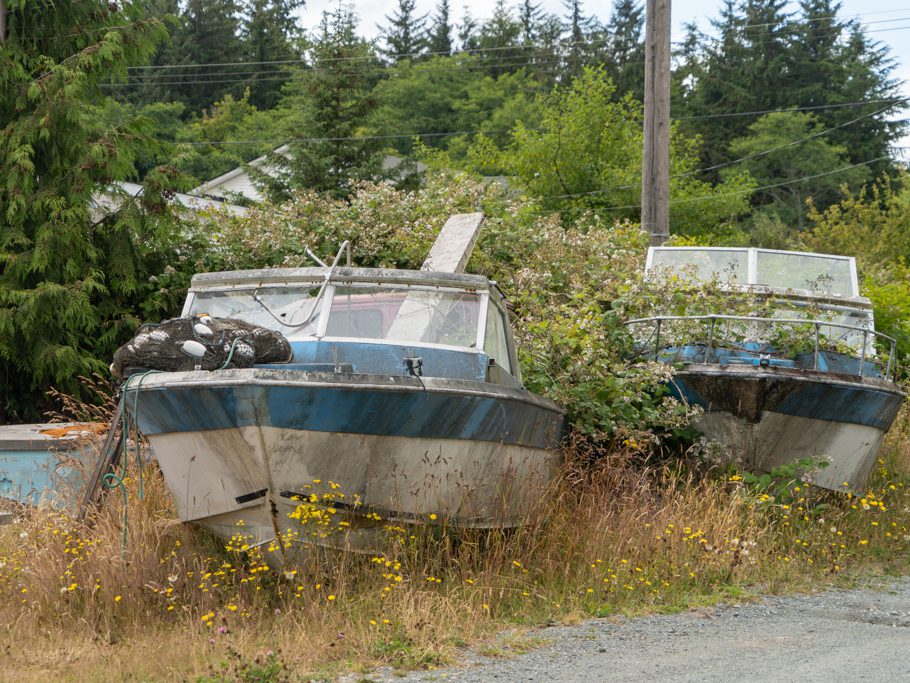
column 621, row 536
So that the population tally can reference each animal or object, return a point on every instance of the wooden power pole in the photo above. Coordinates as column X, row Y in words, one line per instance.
column 655, row 168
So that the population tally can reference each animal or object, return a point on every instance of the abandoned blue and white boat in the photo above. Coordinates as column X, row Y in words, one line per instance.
column 802, row 378
column 402, row 403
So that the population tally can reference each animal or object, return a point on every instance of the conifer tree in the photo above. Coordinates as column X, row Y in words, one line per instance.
column 577, row 28
column 208, row 34
column 529, row 15
column 332, row 104
column 405, row 35
column 439, row 40
column 835, row 62
column 468, row 38
column 69, row 274
column 269, row 33
column 499, row 42
column 625, row 49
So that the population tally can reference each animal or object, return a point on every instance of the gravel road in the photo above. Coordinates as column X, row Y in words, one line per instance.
column 840, row 635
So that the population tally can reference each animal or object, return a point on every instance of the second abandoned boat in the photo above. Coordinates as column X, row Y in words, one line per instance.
column 802, row 382
column 402, row 403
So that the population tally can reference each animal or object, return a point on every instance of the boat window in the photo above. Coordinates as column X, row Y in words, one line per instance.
column 405, row 314
column 854, row 317
column 494, row 343
column 820, row 274
column 702, row 265
column 279, row 308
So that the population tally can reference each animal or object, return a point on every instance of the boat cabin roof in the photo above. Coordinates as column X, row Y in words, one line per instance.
column 341, row 275
column 799, row 273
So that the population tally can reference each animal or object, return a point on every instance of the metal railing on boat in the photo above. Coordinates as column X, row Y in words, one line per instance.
column 712, row 320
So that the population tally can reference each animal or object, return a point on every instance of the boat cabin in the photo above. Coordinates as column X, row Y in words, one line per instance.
column 816, row 306
column 374, row 321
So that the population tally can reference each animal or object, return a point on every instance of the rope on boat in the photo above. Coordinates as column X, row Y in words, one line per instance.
column 112, row 480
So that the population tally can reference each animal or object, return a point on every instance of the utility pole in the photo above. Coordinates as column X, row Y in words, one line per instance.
column 2, row 21
column 655, row 167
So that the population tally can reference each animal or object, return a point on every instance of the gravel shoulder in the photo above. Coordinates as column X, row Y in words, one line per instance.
column 861, row 634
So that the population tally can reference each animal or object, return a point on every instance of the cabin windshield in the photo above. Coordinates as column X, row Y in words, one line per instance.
column 820, row 274
column 394, row 313
column 289, row 310
column 404, row 314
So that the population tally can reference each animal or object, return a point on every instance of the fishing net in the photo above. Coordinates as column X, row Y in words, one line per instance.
column 203, row 343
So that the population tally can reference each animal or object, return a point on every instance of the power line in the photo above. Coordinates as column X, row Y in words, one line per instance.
column 485, row 50
column 760, row 112
column 714, row 167
column 275, row 75
column 392, row 136
column 688, row 200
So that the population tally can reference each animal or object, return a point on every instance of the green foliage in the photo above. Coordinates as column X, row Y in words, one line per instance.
column 874, row 226
column 71, row 270
column 587, row 155
column 331, row 104
column 269, row 33
column 228, row 126
column 443, row 95
column 784, row 483
column 269, row 667
column 782, row 149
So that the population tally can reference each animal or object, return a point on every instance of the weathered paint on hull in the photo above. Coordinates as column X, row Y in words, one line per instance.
column 768, row 417
column 243, row 446
column 213, row 475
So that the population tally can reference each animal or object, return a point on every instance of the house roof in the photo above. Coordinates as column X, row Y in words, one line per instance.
column 238, row 180
column 106, row 203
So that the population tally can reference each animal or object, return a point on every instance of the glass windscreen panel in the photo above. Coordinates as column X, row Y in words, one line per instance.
column 405, row 315
column 840, row 321
column 494, row 343
column 289, row 310
column 819, row 274
column 703, row 265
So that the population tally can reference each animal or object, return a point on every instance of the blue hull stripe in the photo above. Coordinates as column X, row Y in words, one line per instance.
column 372, row 411
column 747, row 396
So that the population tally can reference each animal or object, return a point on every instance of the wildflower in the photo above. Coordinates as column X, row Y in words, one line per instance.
column 432, row 515
column 118, row 598
column 331, row 598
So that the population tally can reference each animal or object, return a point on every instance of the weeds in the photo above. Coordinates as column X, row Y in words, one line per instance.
column 617, row 537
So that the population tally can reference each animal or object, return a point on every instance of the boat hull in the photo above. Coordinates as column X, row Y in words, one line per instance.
column 46, row 464
column 254, row 448
column 768, row 417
